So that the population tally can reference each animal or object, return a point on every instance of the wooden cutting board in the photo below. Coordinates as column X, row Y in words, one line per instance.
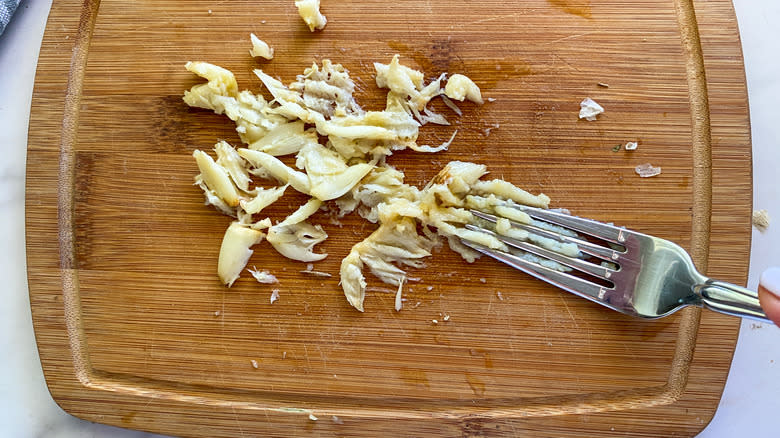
column 134, row 329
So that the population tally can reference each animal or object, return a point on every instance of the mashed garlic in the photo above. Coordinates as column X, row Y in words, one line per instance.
column 438, row 210
column 460, row 87
column 350, row 168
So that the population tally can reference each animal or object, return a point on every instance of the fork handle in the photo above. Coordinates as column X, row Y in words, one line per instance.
column 731, row 299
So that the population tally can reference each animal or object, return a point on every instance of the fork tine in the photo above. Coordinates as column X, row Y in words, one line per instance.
column 574, row 263
column 610, row 233
column 567, row 282
column 584, row 246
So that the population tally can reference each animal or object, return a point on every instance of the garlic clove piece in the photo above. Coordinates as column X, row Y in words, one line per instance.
column 234, row 253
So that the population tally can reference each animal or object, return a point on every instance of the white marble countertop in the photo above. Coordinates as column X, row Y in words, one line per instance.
column 750, row 402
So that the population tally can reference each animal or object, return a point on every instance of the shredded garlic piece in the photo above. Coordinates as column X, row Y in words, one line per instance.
column 235, row 252
column 309, row 10
column 297, row 241
column 216, row 178
column 398, row 298
column 260, row 49
column 263, row 198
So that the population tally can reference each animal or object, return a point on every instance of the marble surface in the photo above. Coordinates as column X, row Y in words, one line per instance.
column 750, row 402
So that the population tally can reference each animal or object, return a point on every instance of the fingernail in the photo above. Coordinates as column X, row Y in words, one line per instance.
column 770, row 280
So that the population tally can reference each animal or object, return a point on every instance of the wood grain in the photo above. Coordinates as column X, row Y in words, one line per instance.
column 134, row 330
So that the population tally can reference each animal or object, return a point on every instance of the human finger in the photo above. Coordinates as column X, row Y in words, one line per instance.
column 769, row 293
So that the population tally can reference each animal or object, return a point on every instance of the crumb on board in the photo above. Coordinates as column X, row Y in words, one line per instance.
column 602, row 84
column 483, row 280
column 632, row 145
column 274, row 295
column 217, row 313
column 761, row 220
column 312, row 417
column 255, row 365
column 647, row 170
column 284, row 355
column 589, row 109
column 435, row 321
column 429, row 288
column 263, row 277
column 486, row 132
column 500, row 297
column 446, row 317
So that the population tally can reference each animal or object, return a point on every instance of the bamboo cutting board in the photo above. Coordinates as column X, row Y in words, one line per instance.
column 134, row 329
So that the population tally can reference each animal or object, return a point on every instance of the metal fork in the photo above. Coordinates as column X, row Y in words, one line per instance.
column 644, row 276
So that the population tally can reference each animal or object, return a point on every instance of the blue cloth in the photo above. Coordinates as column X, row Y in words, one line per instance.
column 7, row 8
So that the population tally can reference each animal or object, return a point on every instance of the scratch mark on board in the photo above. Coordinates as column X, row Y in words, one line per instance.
column 574, row 320
column 306, row 355
column 323, row 357
column 222, row 314
column 151, row 399
column 238, row 423
column 567, row 63
column 572, row 37
column 500, row 17
column 546, row 324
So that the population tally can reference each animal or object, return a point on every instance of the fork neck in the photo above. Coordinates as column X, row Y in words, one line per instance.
column 730, row 299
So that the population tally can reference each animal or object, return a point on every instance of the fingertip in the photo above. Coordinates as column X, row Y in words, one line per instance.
column 770, row 303
column 770, row 280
